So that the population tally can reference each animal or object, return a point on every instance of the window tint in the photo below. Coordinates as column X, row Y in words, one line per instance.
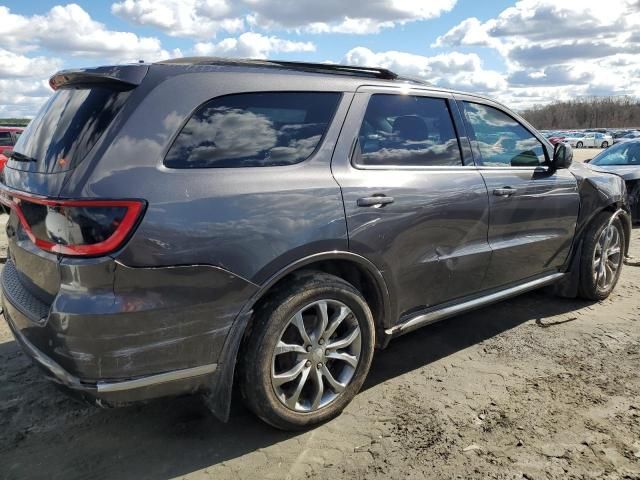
column 5, row 139
column 500, row 139
column 67, row 127
column 403, row 130
column 254, row 130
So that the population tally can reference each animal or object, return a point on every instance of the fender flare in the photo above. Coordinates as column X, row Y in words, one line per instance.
column 219, row 394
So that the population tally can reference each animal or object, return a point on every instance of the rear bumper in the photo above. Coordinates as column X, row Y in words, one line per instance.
column 157, row 332
column 115, row 393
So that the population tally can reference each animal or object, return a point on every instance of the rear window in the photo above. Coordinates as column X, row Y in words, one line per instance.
column 254, row 130
column 66, row 128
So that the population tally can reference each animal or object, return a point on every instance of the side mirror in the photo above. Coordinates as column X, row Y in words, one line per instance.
column 562, row 156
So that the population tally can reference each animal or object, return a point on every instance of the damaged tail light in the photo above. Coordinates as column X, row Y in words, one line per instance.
column 74, row 227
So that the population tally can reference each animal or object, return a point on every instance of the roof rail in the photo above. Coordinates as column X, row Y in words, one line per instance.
column 374, row 72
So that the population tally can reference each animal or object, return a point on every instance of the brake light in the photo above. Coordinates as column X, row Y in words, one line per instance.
column 74, row 227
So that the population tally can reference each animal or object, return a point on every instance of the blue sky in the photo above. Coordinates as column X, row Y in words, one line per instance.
column 523, row 52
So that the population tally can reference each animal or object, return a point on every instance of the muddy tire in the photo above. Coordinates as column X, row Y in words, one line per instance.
column 308, row 353
column 602, row 257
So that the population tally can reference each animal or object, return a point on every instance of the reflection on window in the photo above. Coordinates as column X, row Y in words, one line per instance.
column 69, row 125
column 501, row 140
column 254, row 130
column 404, row 130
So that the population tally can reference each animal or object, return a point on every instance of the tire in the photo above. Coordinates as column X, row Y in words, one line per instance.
column 634, row 202
column 263, row 371
column 579, row 145
column 598, row 279
column 605, row 144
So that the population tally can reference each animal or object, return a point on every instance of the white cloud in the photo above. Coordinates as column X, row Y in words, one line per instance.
column 16, row 65
column 205, row 18
column 71, row 30
column 252, row 45
column 182, row 18
column 547, row 45
column 21, row 97
column 451, row 70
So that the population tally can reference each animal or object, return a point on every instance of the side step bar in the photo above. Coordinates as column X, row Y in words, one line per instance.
column 432, row 316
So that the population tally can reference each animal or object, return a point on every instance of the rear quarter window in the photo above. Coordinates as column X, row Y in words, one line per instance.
column 254, row 130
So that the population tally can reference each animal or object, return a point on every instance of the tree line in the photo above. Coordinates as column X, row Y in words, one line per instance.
column 586, row 112
column 14, row 122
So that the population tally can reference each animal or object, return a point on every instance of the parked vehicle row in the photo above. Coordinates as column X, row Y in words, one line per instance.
column 272, row 223
column 597, row 138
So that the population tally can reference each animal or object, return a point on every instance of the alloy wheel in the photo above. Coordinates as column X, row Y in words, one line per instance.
column 606, row 258
column 316, row 356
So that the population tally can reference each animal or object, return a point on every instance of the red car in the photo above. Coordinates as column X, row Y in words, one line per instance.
column 8, row 138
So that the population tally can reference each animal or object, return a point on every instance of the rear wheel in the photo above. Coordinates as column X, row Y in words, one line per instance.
column 309, row 352
column 579, row 145
column 602, row 257
column 605, row 144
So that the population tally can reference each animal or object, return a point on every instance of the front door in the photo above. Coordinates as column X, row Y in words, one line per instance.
column 413, row 205
column 533, row 208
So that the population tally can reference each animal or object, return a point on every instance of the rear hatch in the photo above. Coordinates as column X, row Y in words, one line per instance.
column 43, row 228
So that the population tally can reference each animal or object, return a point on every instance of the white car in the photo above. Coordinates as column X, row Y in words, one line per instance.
column 589, row 139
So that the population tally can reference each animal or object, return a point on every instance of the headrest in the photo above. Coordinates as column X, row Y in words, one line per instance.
column 411, row 127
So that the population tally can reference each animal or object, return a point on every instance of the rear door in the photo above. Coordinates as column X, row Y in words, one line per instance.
column 533, row 208
column 415, row 204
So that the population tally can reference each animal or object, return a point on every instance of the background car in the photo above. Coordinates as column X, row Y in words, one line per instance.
column 623, row 159
column 589, row 139
column 8, row 138
column 627, row 136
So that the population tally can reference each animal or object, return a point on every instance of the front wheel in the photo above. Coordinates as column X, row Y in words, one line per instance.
column 309, row 352
column 602, row 257
column 605, row 144
column 579, row 145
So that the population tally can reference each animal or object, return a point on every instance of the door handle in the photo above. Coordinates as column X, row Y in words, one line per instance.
column 375, row 201
column 504, row 192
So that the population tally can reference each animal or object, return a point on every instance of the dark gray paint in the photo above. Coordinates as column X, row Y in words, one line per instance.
column 213, row 241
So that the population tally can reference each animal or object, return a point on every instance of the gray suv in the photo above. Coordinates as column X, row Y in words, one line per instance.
column 195, row 224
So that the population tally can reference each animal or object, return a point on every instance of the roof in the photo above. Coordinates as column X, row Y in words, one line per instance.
column 11, row 129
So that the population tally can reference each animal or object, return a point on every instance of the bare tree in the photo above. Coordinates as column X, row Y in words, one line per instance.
column 586, row 112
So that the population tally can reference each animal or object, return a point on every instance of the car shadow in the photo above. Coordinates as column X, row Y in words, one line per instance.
column 172, row 437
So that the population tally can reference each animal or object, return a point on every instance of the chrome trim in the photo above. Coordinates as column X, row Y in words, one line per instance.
column 108, row 387
column 450, row 310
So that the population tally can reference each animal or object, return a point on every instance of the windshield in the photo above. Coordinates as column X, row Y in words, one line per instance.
column 66, row 128
column 627, row 153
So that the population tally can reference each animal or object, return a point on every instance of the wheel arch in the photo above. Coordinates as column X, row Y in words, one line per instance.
column 353, row 268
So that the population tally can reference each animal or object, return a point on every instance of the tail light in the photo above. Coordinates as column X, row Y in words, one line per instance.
column 74, row 227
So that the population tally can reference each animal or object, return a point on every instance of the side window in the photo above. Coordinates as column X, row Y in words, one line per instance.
column 403, row 130
column 253, row 130
column 5, row 139
column 500, row 139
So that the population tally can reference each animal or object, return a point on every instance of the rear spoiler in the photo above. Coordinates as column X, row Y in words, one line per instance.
column 121, row 77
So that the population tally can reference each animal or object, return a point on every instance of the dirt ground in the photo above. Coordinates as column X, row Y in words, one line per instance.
column 533, row 388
